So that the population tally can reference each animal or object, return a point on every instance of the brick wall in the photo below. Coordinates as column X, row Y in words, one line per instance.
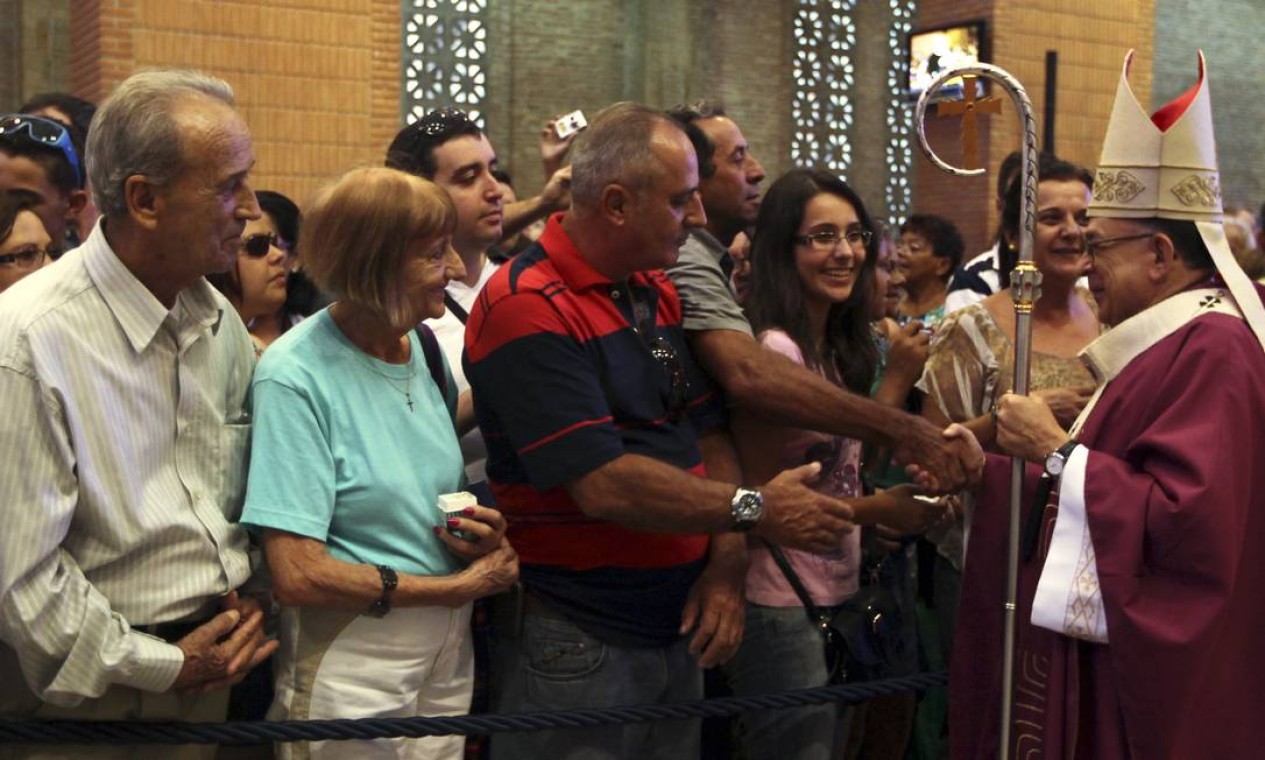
column 962, row 200
column 746, row 48
column 34, row 49
column 871, row 61
column 10, row 52
column 547, row 58
column 1090, row 40
column 317, row 80
column 1230, row 39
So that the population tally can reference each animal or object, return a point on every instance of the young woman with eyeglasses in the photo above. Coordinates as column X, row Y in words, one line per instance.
column 23, row 240
column 810, row 296
column 257, row 284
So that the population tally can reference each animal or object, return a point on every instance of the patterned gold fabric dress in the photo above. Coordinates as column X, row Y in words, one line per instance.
column 971, row 365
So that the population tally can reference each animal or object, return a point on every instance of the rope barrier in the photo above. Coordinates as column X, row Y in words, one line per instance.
column 255, row 732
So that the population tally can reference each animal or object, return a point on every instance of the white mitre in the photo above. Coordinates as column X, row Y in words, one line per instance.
column 1165, row 166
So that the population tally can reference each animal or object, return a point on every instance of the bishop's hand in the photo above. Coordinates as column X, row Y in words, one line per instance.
column 1027, row 428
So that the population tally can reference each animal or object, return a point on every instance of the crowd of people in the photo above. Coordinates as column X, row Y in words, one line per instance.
column 651, row 434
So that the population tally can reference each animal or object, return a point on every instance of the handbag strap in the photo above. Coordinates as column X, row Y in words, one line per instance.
column 461, row 314
column 434, row 358
column 815, row 615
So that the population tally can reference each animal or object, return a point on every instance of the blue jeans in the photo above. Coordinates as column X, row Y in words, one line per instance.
column 782, row 650
column 553, row 665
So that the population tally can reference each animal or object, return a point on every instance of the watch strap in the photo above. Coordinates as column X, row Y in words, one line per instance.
column 1062, row 452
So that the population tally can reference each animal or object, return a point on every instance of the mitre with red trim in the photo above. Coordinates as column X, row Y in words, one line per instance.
column 1164, row 165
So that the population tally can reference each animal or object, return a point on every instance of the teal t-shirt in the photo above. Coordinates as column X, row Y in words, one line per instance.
column 337, row 456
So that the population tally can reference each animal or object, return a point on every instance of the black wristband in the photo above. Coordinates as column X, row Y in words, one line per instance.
column 389, row 581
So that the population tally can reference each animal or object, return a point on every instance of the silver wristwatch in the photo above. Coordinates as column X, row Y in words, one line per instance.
column 747, row 508
column 1056, row 460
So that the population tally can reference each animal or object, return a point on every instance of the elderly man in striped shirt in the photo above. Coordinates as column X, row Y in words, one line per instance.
column 124, row 377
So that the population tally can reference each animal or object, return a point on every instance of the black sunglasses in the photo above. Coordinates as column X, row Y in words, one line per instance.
column 43, row 132
column 257, row 245
column 679, row 389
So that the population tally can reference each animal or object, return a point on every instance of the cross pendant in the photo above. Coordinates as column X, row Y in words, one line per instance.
column 408, row 399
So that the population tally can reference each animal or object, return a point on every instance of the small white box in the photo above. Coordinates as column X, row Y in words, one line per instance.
column 455, row 502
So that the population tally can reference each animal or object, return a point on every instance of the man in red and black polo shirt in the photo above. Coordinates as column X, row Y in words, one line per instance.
column 595, row 417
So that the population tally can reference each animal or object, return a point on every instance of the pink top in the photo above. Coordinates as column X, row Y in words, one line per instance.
column 830, row 578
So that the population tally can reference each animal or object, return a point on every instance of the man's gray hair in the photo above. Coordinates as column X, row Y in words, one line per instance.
column 134, row 132
column 615, row 149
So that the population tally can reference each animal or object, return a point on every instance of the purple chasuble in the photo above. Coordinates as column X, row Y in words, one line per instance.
column 1175, row 503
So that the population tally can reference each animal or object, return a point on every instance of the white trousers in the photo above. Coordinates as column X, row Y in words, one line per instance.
column 342, row 664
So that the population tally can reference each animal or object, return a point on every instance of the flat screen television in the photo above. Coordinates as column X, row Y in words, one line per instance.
column 932, row 51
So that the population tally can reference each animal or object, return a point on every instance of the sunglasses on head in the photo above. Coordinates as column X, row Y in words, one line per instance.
column 42, row 132
column 257, row 245
column 443, row 120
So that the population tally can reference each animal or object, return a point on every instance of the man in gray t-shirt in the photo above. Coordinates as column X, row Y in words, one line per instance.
column 721, row 339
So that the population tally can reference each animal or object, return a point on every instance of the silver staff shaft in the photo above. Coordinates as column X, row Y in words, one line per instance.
column 1025, row 285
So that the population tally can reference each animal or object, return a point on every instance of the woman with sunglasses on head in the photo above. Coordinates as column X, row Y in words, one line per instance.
column 257, row 285
column 353, row 447
column 23, row 240
column 812, row 285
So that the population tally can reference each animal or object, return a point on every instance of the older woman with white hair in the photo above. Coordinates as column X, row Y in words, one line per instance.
column 353, row 446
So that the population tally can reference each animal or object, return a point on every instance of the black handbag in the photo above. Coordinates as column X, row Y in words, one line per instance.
column 861, row 636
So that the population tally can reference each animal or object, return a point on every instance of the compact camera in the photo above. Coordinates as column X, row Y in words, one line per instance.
column 565, row 126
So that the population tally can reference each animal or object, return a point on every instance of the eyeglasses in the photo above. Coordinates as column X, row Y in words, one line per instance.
column 1094, row 247
column 828, row 240
column 257, row 245
column 678, row 392
column 26, row 258
column 43, row 132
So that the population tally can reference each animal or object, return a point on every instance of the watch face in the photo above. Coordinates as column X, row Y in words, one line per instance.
column 748, row 508
column 1054, row 464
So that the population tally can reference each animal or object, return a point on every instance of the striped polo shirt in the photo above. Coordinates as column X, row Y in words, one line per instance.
column 561, row 363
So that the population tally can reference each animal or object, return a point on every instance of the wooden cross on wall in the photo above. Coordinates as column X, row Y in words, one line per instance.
column 968, row 108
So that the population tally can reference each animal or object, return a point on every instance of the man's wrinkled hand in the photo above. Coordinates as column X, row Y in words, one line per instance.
column 937, row 463
column 798, row 517
column 495, row 571
column 716, row 609
column 219, row 653
column 1027, row 428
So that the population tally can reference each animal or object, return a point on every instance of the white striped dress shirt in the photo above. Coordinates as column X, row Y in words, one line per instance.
column 123, row 443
